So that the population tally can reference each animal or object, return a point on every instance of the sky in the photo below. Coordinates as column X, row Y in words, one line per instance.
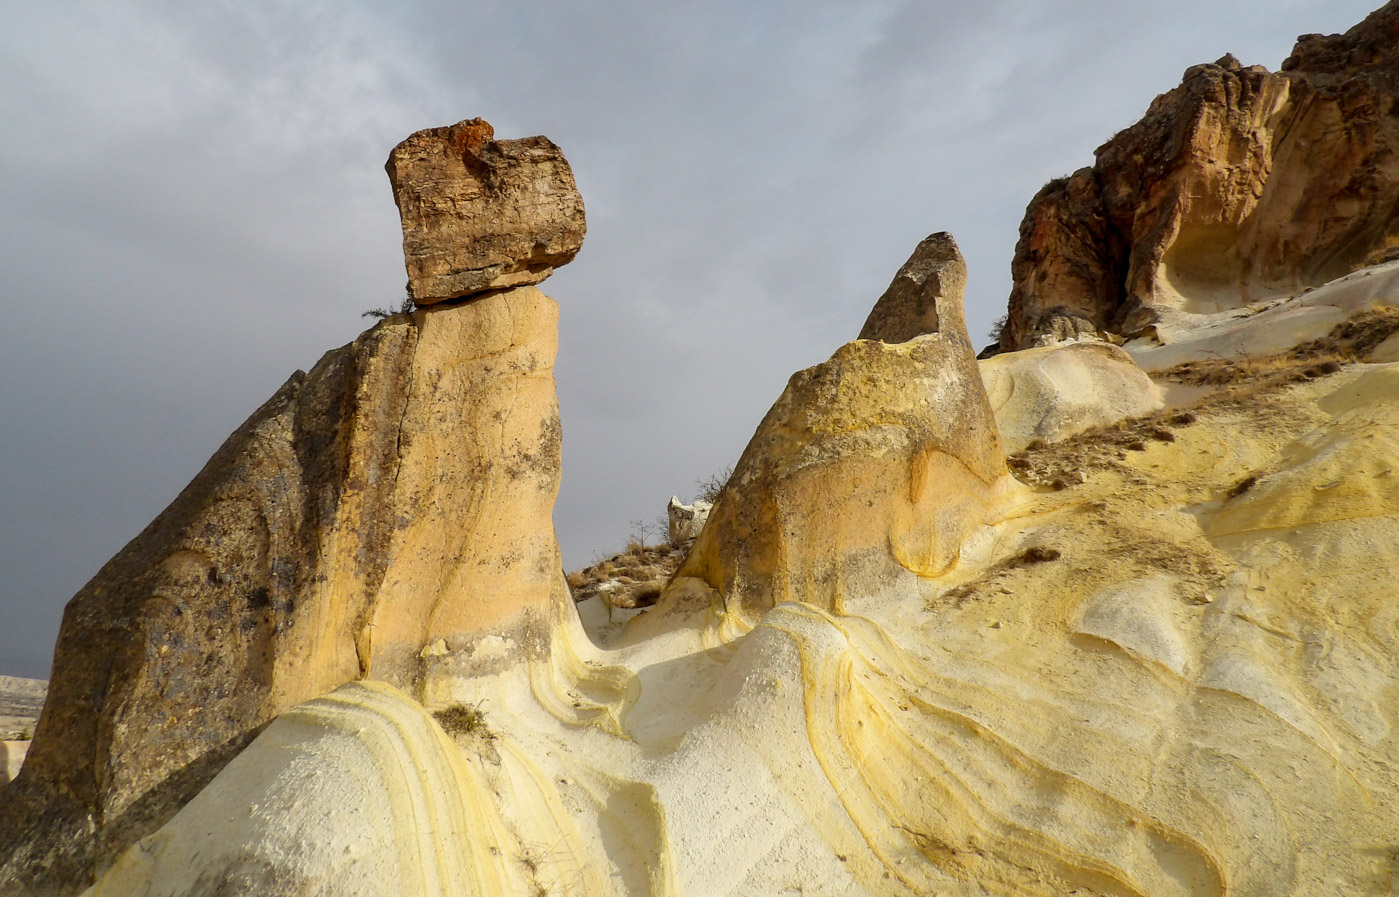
column 193, row 205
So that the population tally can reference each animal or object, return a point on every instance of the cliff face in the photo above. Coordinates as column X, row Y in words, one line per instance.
column 1237, row 186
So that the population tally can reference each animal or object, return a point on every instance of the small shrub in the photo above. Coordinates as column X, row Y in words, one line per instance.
column 997, row 327
column 710, row 487
column 406, row 307
column 463, row 719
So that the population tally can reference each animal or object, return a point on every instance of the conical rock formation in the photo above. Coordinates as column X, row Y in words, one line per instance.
column 877, row 461
column 924, row 297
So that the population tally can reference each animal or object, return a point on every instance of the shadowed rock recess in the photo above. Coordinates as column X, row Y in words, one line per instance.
column 1153, row 653
column 1239, row 185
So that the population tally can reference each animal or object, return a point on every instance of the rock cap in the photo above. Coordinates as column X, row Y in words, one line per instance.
column 925, row 296
column 482, row 214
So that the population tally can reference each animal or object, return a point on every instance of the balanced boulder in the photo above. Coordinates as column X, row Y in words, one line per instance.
column 482, row 214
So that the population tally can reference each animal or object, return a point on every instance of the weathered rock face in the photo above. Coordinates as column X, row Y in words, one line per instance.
column 12, row 755
column 1053, row 392
column 482, row 214
column 925, row 296
column 399, row 494
column 1239, row 185
column 877, row 461
column 360, row 788
column 684, row 522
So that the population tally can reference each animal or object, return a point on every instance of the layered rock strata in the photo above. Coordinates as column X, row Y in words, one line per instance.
column 360, row 788
column 879, row 460
column 1237, row 186
column 1174, row 677
column 482, row 214
column 379, row 513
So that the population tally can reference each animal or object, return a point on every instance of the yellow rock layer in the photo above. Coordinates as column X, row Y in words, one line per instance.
column 1175, row 678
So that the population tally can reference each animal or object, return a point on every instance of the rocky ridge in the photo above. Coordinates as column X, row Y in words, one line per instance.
column 1237, row 187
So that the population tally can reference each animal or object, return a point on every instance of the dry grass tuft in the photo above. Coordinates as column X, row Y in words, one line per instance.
column 463, row 720
column 1243, row 486
column 1237, row 381
column 1036, row 554
column 639, row 573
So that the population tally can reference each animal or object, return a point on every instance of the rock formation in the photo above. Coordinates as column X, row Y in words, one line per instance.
column 1175, row 677
column 684, row 522
column 361, row 788
column 1161, row 659
column 1237, row 186
column 482, row 214
column 390, row 506
column 12, row 755
column 1053, row 392
column 925, row 296
column 878, row 460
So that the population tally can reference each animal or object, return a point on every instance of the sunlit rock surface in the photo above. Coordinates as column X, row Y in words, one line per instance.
column 390, row 505
column 872, row 465
column 1237, row 186
column 1149, row 683
column 482, row 214
column 1053, row 392
column 1158, row 660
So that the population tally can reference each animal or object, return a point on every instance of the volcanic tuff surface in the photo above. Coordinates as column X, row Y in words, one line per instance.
column 1153, row 652
column 391, row 505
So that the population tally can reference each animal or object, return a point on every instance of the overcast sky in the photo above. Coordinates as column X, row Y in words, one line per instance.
column 193, row 205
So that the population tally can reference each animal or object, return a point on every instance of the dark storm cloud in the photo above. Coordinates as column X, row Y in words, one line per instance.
column 192, row 205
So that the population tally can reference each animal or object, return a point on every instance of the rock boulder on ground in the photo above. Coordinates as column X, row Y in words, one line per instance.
column 482, row 214
column 684, row 522
column 1239, row 185
column 1053, row 392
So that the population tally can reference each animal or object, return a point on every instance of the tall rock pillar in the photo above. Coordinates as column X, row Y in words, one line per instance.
column 378, row 513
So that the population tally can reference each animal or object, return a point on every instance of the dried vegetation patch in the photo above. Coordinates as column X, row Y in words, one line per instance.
column 632, row 578
column 1235, row 382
